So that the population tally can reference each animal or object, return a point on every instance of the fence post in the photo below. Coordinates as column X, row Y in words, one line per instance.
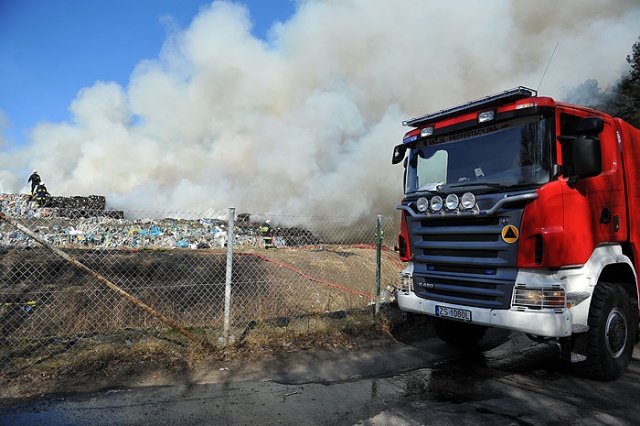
column 378, row 256
column 227, row 288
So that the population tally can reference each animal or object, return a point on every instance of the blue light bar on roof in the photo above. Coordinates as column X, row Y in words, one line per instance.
column 519, row 92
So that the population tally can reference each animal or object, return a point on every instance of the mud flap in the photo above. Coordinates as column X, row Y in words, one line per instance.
column 572, row 348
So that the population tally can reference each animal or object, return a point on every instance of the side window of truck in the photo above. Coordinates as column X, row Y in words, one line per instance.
column 568, row 124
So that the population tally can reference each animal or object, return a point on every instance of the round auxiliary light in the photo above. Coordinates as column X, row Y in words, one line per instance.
column 422, row 204
column 436, row 203
column 452, row 202
column 468, row 201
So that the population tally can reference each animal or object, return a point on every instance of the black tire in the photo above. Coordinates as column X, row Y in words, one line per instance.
column 458, row 333
column 611, row 335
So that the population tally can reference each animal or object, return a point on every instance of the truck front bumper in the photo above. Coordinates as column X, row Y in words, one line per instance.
column 543, row 323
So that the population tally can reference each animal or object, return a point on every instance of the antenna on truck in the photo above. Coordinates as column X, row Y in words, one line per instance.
column 548, row 63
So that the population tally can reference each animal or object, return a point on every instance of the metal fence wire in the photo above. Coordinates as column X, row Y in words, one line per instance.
column 75, row 277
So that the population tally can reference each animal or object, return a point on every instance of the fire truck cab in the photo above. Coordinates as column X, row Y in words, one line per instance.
column 519, row 213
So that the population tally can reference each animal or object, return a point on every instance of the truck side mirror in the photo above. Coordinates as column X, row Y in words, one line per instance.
column 398, row 154
column 590, row 126
column 587, row 157
column 404, row 175
column 581, row 157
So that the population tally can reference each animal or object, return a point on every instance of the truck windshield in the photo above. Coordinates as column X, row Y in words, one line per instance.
column 508, row 154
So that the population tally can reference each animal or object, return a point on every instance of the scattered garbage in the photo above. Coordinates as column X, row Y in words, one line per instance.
column 84, row 222
column 388, row 295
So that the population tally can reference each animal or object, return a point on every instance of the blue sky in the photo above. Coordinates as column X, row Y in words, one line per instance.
column 49, row 50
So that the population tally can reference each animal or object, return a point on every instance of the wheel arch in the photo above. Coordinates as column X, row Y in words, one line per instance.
column 624, row 275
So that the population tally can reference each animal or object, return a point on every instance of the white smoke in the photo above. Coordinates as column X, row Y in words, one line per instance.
column 305, row 123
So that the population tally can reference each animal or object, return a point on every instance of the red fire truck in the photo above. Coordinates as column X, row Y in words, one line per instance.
column 519, row 212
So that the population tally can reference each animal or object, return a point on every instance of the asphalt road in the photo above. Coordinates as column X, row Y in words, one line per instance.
column 513, row 382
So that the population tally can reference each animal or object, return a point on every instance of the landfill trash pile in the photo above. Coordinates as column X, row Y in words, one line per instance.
column 92, row 202
column 21, row 205
column 84, row 222
column 93, row 205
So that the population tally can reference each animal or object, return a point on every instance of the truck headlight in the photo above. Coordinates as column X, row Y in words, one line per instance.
column 405, row 282
column 539, row 297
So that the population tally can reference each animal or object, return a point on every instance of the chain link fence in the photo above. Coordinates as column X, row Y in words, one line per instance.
column 79, row 277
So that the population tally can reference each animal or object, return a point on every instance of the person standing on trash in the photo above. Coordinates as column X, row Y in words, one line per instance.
column 267, row 235
column 41, row 194
column 35, row 181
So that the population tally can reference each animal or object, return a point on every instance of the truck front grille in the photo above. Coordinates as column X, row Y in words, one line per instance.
column 464, row 260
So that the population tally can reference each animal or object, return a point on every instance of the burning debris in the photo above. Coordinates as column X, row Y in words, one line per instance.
column 296, row 237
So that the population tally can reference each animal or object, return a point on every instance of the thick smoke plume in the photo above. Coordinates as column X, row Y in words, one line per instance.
column 304, row 123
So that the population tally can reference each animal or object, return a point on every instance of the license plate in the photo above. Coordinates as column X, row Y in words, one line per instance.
column 457, row 314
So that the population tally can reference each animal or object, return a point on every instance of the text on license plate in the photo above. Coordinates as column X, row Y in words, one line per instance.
column 459, row 314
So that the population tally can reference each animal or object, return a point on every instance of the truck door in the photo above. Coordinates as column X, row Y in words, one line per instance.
column 594, row 208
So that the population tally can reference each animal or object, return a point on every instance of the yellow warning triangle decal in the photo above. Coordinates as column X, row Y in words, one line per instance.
column 510, row 234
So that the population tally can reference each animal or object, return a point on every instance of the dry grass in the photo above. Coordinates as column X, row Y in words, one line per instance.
column 283, row 301
column 102, row 361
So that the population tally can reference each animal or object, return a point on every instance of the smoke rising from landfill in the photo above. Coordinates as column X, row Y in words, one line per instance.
column 305, row 122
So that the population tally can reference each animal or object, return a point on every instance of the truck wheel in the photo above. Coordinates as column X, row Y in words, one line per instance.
column 458, row 333
column 611, row 335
